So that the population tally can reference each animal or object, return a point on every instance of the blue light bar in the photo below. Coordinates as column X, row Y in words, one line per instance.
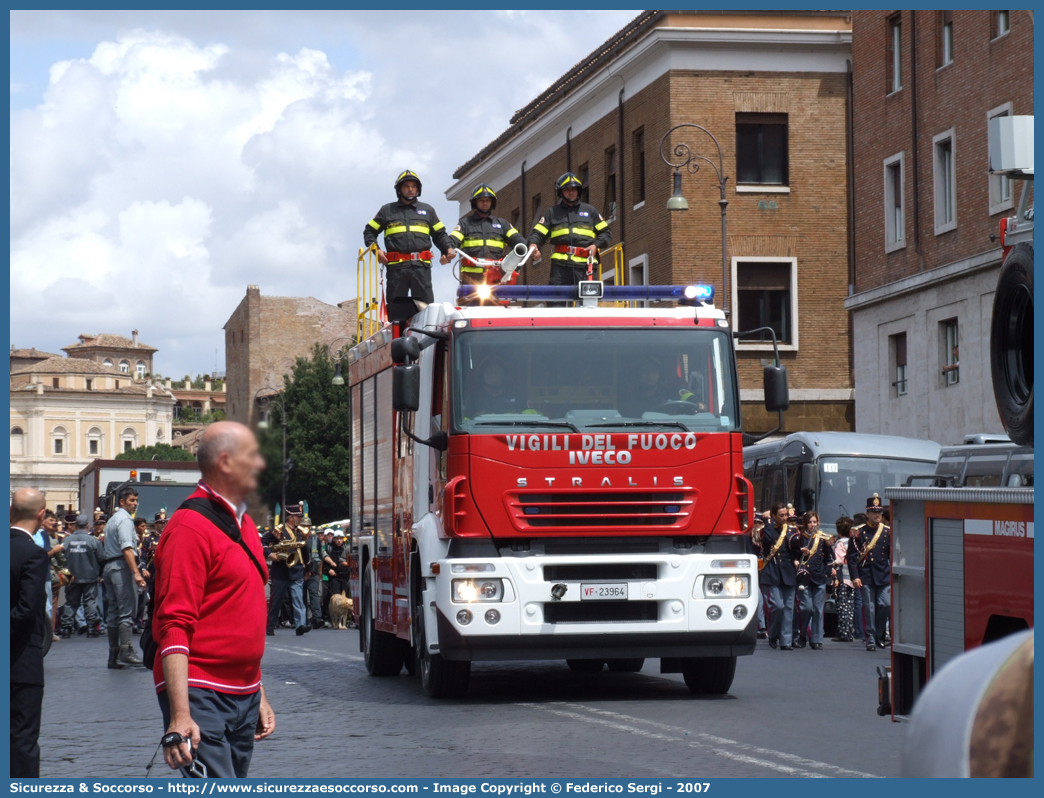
column 682, row 294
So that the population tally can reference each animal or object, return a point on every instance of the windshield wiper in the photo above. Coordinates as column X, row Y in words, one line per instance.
column 677, row 424
column 515, row 423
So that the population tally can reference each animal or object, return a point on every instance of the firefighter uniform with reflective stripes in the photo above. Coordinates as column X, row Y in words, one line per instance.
column 570, row 229
column 483, row 237
column 409, row 229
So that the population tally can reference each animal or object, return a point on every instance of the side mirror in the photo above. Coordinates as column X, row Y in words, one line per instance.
column 404, row 350
column 777, row 394
column 808, row 483
column 439, row 441
column 406, row 388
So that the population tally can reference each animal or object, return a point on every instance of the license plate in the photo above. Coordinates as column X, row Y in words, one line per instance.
column 604, row 592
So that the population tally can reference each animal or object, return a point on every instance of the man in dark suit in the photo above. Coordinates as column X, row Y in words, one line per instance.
column 30, row 575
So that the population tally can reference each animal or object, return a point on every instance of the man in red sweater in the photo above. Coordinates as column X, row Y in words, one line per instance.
column 210, row 612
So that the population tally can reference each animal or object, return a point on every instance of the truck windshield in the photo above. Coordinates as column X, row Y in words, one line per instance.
column 155, row 496
column 593, row 379
column 845, row 483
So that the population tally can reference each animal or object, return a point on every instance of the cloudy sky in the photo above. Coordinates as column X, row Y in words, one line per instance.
column 162, row 161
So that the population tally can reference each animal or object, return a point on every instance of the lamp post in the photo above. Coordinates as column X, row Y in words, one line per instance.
column 691, row 160
column 262, row 402
column 338, row 356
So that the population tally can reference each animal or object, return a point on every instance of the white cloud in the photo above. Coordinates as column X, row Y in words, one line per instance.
column 165, row 172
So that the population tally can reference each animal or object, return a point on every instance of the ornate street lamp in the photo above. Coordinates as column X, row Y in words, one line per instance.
column 338, row 356
column 686, row 158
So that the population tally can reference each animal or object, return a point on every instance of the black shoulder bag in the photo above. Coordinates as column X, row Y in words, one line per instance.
column 219, row 517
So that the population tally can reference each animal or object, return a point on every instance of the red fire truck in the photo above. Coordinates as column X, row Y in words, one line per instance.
column 554, row 483
column 962, row 557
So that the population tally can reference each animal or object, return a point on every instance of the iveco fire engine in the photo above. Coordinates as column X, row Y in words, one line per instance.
column 534, row 483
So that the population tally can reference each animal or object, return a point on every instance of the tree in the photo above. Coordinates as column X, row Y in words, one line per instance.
column 158, row 451
column 317, row 440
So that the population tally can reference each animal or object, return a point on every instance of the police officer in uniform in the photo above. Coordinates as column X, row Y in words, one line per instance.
column 483, row 236
column 286, row 570
column 336, row 565
column 780, row 549
column 314, row 575
column 409, row 227
column 122, row 579
column 576, row 230
column 83, row 557
column 870, row 562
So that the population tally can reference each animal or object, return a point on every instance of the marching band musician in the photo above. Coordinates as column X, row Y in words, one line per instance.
column 870, row 561
column 286, row 569
column 780, row 550
column 755, row 534
column 814, row 572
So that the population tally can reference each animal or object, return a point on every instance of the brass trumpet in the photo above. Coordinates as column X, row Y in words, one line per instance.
column 289, row 551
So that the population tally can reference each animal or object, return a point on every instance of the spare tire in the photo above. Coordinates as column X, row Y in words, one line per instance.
column 1011, row 344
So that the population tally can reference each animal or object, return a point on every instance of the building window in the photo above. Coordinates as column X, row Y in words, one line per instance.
column 17, row 441
column 89, row 383
column 125, row 366
column 129, row 439
column 537, row 208
column 765, row 295
column 610, row 183
column 55, row 382
column 140, row 368
column 59, row 436
column 117, row 385
column 583, row 172
column 94, row 441
column 945, row 38
column 107, row 363
column 761, row 149
column 951, row 351
column 516, row 216
column 899, row 359
column 1001, row 23
column 894, row 53
column 1000, row 185
column 945, row 182
column 638, row 145
column 895, row 221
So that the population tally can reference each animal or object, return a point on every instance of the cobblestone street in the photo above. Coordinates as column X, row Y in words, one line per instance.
column 801, row 713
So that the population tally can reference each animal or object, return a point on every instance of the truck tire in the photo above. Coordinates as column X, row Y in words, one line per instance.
column 709, row 675
column 1011, row 344
column 382, row 652
column 585, row 665
column 626, row 665
column 440, row 677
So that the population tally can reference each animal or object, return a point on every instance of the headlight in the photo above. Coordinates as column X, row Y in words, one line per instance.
column 733, row 586
column 467, row 590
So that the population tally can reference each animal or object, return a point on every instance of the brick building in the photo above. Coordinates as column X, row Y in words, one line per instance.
column 772, row 88
column 925, row 83
column 265, row 334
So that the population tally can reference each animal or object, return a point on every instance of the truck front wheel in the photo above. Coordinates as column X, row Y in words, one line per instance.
column 440, row 677
column 382, row 652
column 709, row 675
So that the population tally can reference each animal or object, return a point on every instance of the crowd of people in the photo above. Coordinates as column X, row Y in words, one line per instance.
column 105, row 566
column 800, row 564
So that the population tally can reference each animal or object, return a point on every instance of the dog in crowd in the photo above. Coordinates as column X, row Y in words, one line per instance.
column 341, row 611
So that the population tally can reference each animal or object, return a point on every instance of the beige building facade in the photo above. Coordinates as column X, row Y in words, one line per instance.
column 67, row 412
column 128, row 355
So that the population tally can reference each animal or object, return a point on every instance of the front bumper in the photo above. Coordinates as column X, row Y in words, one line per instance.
column 675, row 615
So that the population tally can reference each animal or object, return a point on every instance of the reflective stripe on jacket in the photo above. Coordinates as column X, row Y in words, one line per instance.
column 484, row 237
column 579, row 225
column 408, row 227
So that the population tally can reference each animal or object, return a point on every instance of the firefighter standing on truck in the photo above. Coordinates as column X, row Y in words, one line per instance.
column 482, row 236
column 409, row 229
column 577, row 232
